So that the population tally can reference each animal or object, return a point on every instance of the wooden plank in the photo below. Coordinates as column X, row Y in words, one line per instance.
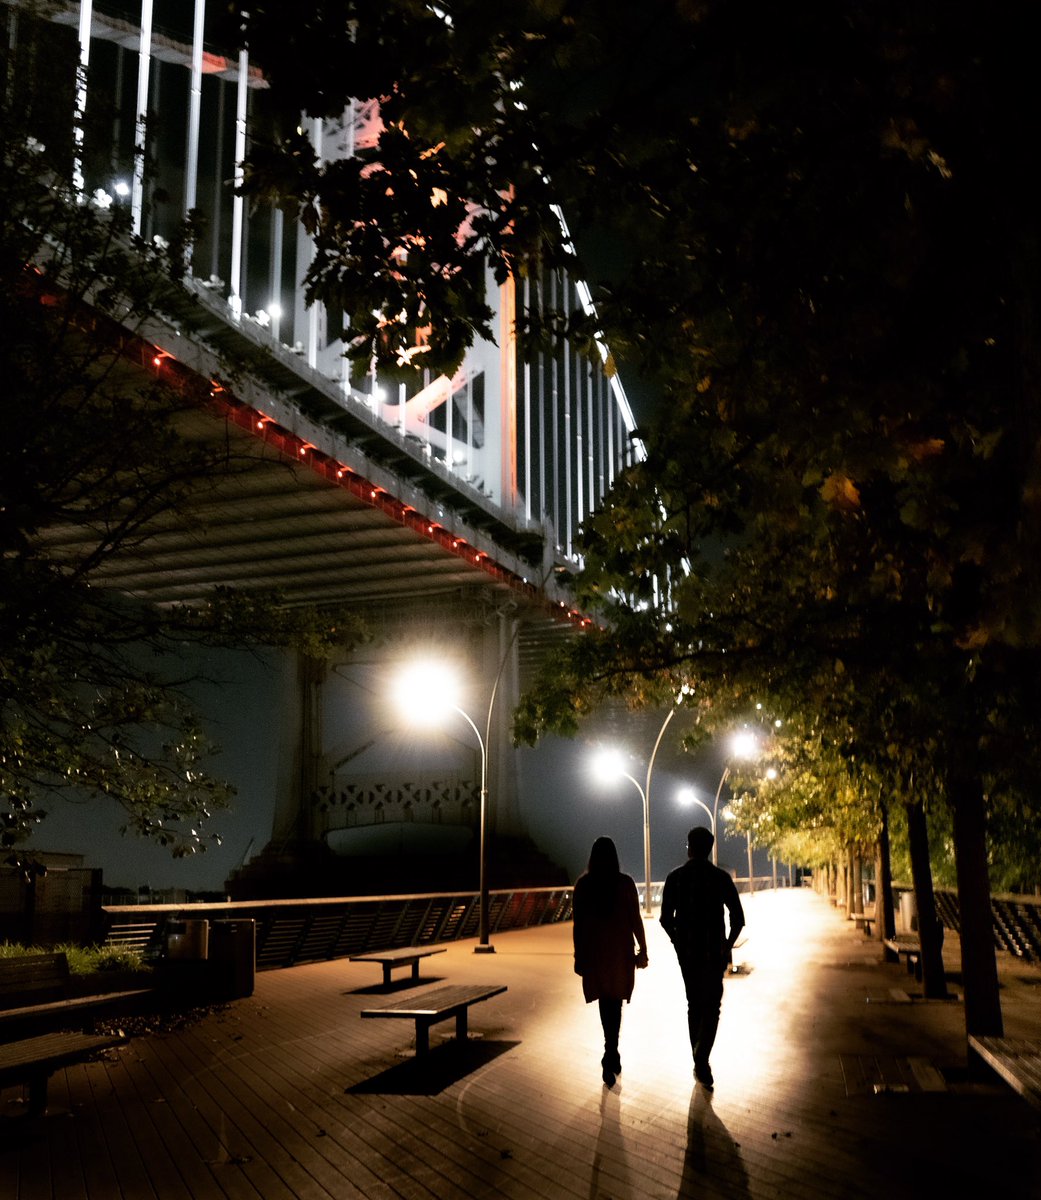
column 275, row 1172
column 403, row 954
column 311, row 1118
column 186, row 1129
column 439, row 1002
column 25, row 978
column 1016, row 1060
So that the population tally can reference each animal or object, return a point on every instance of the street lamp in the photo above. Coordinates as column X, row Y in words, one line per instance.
column 742, row 745
column 427, row 690
column 609, row 766
column 687, row 795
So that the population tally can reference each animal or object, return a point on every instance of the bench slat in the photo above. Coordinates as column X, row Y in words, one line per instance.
column 51, row 1049
column 403, row 954
column 25, row 977
column 1016, row 1060
column 72, row 1007
column 441, row 1002
column 34, row 1060
column 438, row 1005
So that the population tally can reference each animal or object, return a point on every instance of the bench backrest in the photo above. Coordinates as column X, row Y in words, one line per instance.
column 33, row 979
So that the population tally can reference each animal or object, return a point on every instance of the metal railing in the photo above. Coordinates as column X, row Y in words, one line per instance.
column 297, row 931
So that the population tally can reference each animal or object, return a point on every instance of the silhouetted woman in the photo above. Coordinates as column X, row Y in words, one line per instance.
column 607, row 927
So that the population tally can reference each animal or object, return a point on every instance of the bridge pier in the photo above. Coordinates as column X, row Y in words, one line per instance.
column 366, row 801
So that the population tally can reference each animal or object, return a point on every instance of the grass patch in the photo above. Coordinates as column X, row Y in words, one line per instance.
column 84, row 960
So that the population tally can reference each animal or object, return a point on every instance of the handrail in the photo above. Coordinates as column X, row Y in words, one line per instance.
column 292, row 931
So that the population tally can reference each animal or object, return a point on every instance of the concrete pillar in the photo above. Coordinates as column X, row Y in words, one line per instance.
column 300, row 753
column 500, row 674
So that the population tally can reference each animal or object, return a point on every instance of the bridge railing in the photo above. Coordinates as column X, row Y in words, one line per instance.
column 298, row 931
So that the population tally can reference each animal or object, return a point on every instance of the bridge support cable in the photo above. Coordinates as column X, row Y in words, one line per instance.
column 144, row 60
column 191, row 157
column 238, row 209
column 85, row 20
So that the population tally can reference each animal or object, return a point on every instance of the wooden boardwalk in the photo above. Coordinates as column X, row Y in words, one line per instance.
column 830, row 1081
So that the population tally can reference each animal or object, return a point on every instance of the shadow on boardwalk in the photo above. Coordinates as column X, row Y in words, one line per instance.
column 832, row 1080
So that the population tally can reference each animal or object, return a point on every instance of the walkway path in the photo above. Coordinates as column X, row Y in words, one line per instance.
column 830, row 1082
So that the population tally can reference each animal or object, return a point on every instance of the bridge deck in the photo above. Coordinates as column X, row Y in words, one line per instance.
column 829, row 1082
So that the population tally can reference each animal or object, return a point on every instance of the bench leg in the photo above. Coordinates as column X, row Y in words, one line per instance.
column 422, row 1037
column 415, row 969
column 461, row 1024
column 386, row 974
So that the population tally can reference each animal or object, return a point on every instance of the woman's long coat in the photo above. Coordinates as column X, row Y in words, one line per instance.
column 607, row 929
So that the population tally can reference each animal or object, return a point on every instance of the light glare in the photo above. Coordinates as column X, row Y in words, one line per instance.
column 744, row 744
column 608, row 765
column 427, row 692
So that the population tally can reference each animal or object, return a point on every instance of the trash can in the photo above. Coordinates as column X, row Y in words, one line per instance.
column 233, row 960
column 908, row 912
column 187, row 941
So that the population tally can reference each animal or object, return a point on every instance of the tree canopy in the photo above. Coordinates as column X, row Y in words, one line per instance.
column 822, row 245
column 94, row 697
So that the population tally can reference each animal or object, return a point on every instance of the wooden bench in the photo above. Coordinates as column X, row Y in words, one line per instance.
column 407, row 955
column 430, row 1007
column 34, row 1060
column 1016, row 1060
column 34, row 993
column 909, row 947
column 863, row 921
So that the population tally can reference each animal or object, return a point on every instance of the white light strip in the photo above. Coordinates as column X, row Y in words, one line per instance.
column 86, row 16
column 237, row 204
column 191, row 177
column 144, row 62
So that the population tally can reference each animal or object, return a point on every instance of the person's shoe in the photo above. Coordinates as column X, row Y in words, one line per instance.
column 616, row 1065
column 703, row 1074
column 609, row 1077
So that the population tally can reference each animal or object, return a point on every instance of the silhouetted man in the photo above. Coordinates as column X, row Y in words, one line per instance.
column 692, row 913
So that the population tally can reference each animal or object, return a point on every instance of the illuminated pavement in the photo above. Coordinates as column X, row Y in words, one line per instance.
column 831, row 1081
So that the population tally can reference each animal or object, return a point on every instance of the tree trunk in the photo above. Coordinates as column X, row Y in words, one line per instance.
column 930, row 932
column 885, row 918
column 858, row 883
column 978, row 959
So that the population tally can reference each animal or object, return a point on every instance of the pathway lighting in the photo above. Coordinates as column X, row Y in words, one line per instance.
column 428, row 691
column 743, row 744
column 687, row 795
column 609, row 765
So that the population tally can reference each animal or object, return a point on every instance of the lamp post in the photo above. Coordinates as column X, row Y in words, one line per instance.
column 609, row 766
column 687, row 796
column 742, row 745
column 430, row 689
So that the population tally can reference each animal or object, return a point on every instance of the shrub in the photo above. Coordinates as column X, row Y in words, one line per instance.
column 84, row 960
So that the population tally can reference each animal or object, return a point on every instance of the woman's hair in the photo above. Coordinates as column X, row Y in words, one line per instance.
column 603, row 858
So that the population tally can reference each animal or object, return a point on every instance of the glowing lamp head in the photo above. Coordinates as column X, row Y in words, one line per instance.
column 608, row 765
column 744, row 744
column 427, row 691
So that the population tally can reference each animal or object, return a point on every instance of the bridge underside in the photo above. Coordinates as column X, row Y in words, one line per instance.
column 270, row 523
column 312, row 504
